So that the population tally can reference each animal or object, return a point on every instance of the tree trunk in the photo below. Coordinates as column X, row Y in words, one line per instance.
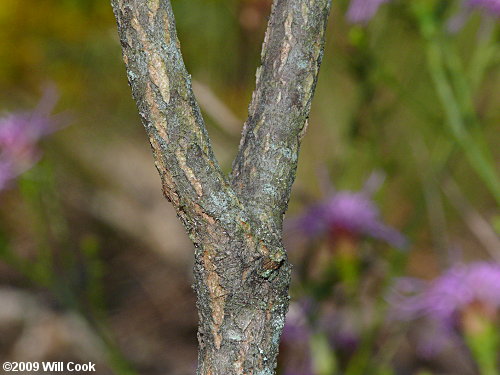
column 241, row 270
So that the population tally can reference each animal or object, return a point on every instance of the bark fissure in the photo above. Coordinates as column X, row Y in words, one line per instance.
column 241, row 271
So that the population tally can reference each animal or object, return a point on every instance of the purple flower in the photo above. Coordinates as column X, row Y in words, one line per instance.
column 449, row 301
column 492, row 7
column 362, row 11
column 347, row 214
column 19, row 136
column 450, row 294
column 487, row 7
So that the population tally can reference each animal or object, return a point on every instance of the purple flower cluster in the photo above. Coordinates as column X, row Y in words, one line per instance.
column 446, row 298
column 347, row 214
column 362, row 11
column 19, row 135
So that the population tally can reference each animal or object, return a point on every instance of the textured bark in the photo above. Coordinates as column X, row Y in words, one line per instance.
column 267, row 159
column 241, row 271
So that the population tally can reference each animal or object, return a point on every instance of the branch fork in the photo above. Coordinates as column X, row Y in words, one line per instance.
column 241, row 271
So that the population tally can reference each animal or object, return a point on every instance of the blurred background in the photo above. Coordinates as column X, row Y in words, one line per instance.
column 393, row 224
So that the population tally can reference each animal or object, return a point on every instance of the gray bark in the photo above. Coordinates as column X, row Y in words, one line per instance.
column 241, row 271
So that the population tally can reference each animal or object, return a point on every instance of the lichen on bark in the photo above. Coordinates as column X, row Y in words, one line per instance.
column 241, row 271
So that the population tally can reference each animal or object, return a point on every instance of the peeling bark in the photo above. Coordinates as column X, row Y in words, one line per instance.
column 241, row 271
